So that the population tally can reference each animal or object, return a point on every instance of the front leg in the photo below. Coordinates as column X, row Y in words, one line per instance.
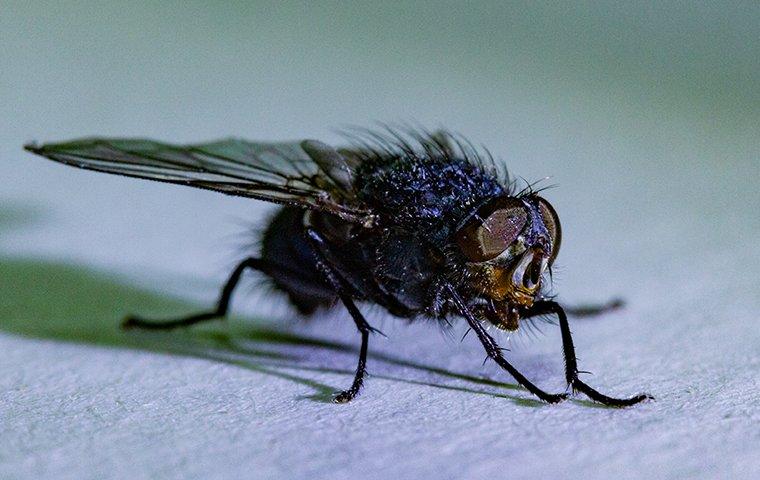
column 571, row 364
column 593, row 310
column 494, row 351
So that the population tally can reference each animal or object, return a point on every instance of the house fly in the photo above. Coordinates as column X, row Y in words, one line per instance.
column 422, row 224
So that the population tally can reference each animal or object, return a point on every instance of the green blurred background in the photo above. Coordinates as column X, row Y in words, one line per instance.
column 615, row 101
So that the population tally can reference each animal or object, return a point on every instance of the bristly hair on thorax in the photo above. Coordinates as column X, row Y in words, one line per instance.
column 372, row 146
column 428, row 182
column 415, row 142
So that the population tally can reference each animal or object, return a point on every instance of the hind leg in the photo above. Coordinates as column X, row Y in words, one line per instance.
column 221, row 307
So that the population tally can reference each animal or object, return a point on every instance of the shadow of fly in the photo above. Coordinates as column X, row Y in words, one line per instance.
column 423, row 224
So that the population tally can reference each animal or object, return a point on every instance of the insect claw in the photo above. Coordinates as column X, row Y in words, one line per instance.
column 374, row 330
column 343, row 397
column 553, row 398
column 465, row 334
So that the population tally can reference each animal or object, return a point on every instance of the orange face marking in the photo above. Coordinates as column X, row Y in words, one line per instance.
column 498, row 285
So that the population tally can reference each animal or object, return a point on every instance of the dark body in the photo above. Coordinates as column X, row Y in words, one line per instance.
column 398, row 262
column 422, row 225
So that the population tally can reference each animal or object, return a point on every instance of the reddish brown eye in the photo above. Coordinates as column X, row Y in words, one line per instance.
column 551, row 220
column 492, row 229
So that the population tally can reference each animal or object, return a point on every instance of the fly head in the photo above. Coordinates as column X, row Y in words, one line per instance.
column 508, row 244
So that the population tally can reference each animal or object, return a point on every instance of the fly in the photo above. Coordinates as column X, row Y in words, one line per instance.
column 422, row 224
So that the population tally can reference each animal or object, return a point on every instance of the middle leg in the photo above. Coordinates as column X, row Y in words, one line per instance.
column 318, row 246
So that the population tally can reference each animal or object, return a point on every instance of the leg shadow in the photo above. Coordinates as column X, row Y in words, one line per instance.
column 75, row 304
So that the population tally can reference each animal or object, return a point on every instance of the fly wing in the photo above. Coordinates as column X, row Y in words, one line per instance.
column 308, row 174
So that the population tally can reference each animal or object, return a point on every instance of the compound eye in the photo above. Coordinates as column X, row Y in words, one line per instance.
column 491, row 231
column 551, row 221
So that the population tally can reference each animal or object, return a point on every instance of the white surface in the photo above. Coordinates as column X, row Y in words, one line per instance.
column 649, row 124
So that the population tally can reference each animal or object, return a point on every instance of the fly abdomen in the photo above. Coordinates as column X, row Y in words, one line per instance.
column 285, row 248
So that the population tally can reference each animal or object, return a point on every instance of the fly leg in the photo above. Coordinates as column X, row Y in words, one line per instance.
column 571, row 364
column 221, row 307
column 361, row 367
column 361, row 323
column 593, row 310
column 494, row 351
